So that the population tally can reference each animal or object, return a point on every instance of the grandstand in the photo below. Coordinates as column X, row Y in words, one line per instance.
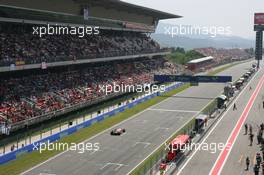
column 226, row 55
column 44, row 77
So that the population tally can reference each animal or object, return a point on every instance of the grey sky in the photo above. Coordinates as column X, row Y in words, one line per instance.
column 238, row 14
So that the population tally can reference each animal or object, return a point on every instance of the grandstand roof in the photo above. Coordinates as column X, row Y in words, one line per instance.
column 111, row 14
column 200, row 60
column 117, row 4
column 12, row 12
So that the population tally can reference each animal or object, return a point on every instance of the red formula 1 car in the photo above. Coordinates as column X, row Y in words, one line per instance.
column 118, row 131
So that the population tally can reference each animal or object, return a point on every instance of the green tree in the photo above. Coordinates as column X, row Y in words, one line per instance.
column 180, row 56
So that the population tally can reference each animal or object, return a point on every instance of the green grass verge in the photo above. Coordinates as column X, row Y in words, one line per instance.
column 27, row 161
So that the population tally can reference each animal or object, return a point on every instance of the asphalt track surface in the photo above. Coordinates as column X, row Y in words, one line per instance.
column 145, row 132
column 230, row 126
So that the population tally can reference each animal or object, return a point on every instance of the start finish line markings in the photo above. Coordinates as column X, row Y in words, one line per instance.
column 118, row 165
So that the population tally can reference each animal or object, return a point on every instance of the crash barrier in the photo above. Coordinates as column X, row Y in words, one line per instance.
column 55, row 137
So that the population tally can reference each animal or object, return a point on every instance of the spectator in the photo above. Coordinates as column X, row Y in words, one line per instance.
column 37, row 94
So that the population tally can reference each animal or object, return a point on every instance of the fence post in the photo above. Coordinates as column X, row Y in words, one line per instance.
column 25, row 140
column 30, row 139
column 17, row 142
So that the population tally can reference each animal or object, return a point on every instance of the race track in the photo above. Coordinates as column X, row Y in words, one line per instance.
column 145, row 132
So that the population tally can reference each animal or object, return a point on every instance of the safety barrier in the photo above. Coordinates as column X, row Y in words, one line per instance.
column 55, row 137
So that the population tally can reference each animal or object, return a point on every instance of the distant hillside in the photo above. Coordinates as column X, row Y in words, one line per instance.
column 198, row 41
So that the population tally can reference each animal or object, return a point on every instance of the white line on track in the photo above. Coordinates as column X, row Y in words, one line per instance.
column 172, row 110
column 209, row 133
column 161, row 128
column 115, row 164
column 143, row 143
column 95, row 151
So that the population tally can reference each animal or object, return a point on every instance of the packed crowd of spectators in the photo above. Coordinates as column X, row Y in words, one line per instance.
column 225, row 55
column 32, row 95
column 26, row 48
